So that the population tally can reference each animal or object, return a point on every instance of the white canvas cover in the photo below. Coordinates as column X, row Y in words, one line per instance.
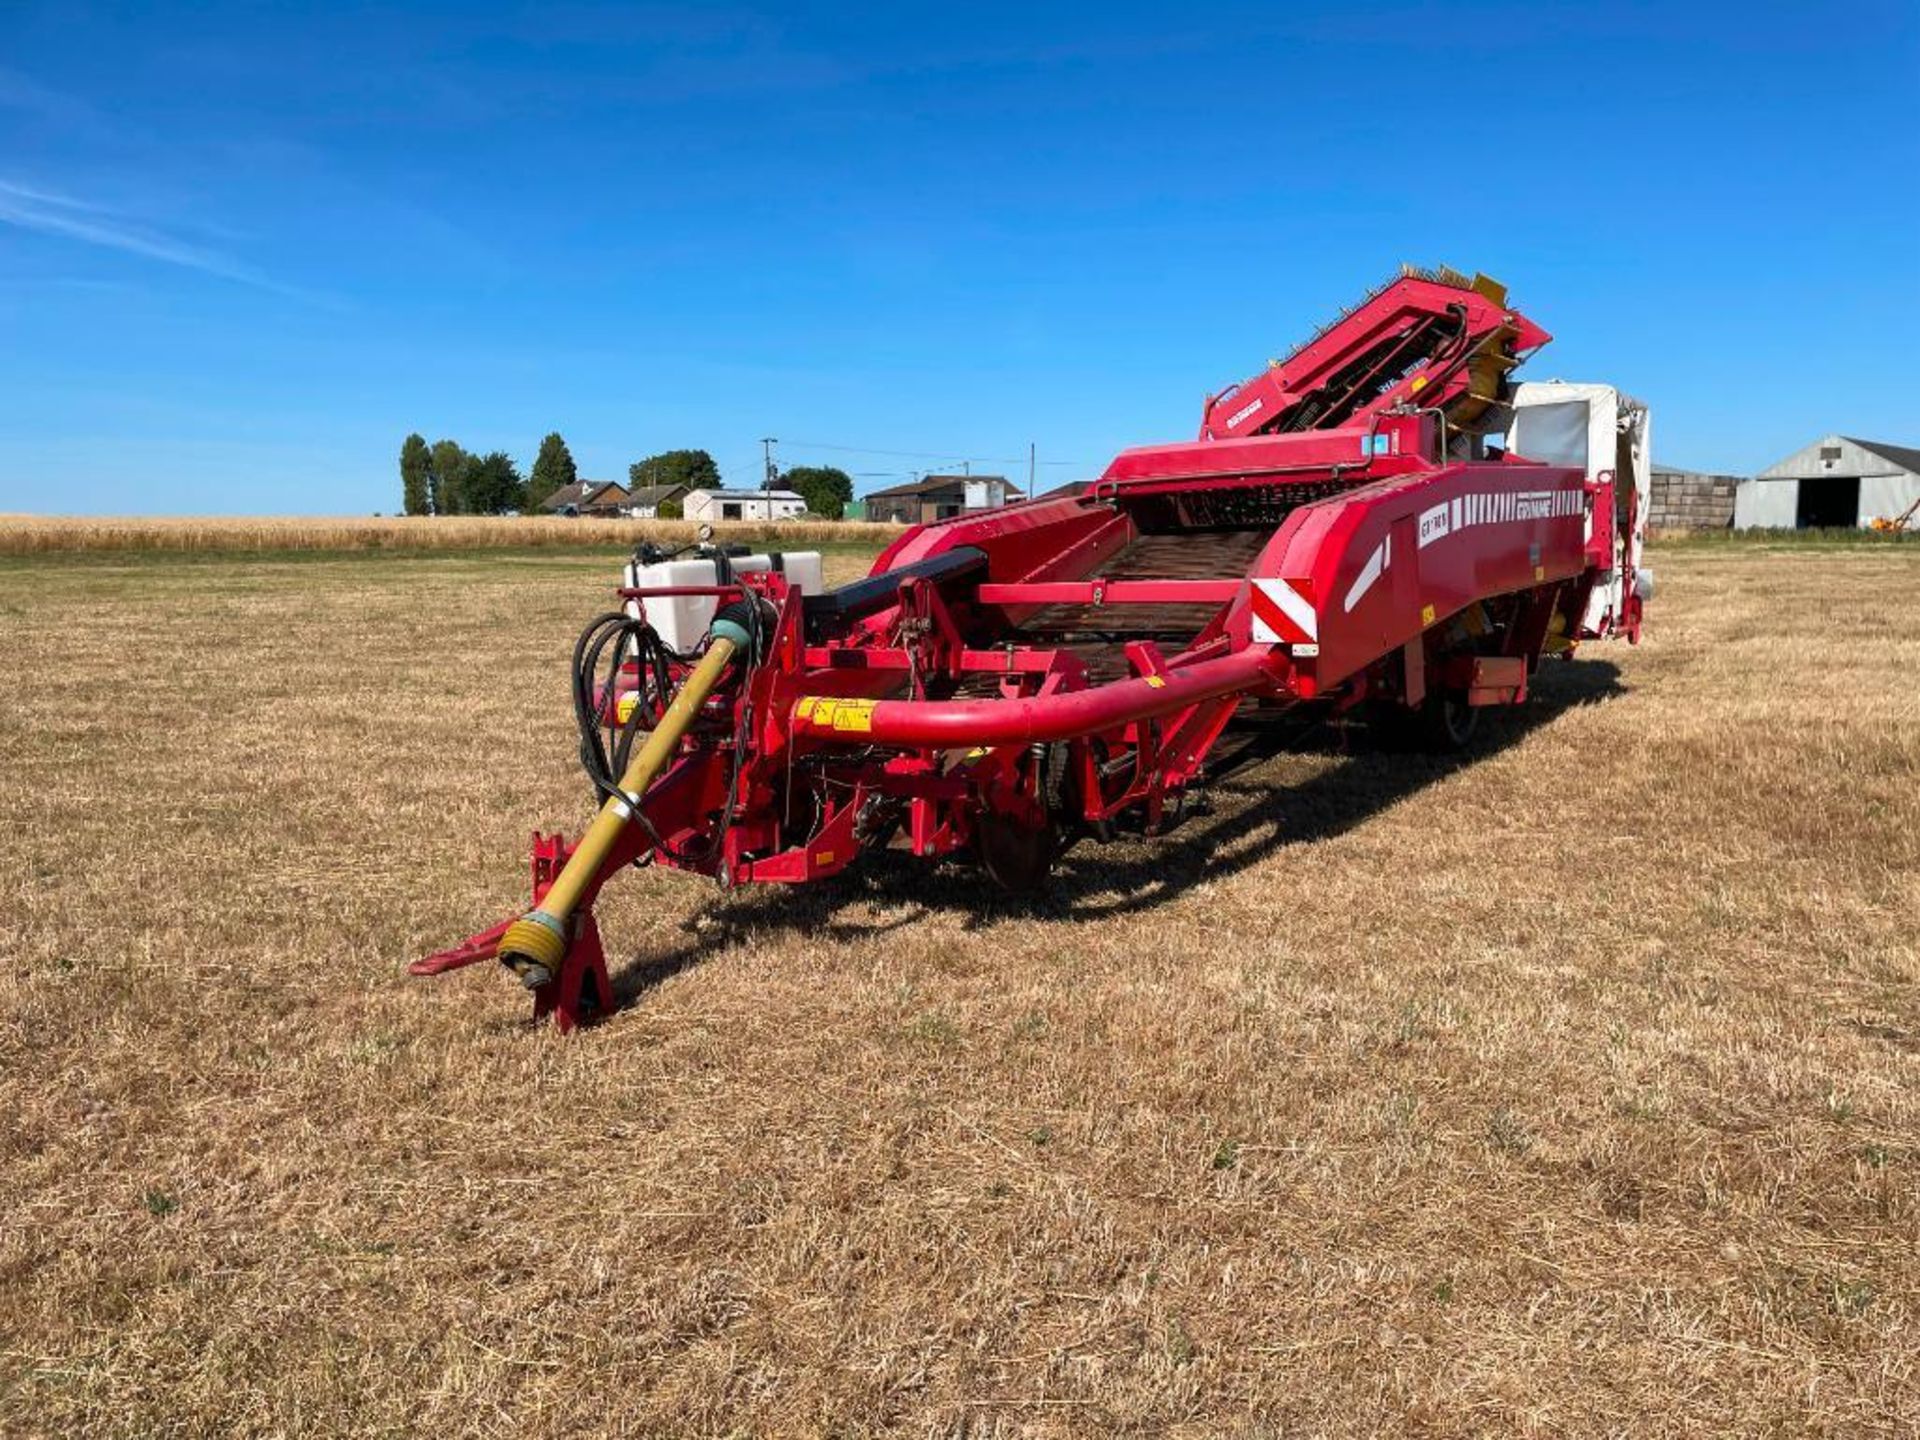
column 1596, row 429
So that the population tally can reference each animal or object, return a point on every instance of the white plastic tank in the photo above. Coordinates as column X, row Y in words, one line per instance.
column 682, row 620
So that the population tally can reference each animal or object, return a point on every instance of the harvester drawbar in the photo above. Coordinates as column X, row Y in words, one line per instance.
column 1381, row 519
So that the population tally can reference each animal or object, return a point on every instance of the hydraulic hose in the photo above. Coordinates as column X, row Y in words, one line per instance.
column 606, row 733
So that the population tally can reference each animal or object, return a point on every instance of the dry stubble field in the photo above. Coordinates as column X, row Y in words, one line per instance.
column 1571, row 1090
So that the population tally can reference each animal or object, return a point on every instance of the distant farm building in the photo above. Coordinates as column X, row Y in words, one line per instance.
column 588, row 497
column 939, row 497
column 1690, row 499
column 716, row 505
column 644, row 502
column 1838, row 482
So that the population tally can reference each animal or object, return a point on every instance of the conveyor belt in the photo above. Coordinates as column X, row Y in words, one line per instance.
column 1098, row 633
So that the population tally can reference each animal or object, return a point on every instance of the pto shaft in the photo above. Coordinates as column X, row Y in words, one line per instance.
column 536, row 943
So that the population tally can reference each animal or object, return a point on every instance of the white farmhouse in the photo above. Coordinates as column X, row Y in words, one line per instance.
column 715, row 506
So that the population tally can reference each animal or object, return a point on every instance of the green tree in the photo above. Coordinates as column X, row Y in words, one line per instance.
column 692, row 468
column 553, row 469
column 493, row 485
column 826, row 489
column 416, row 476
column 669, row 510
column 450, row 466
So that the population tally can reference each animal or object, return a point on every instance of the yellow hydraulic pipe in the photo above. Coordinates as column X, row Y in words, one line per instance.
column 535, row 944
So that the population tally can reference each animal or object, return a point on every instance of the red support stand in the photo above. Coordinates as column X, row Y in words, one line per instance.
column 582, row 991
column 567, row 996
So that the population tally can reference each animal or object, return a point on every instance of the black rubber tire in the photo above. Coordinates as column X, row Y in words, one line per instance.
column 1018, row 858
column 1447, row 723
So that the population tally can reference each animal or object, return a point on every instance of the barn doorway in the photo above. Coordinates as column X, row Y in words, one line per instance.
column 1829, row 503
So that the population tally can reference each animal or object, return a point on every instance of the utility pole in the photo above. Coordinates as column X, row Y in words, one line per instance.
column 1032, row 450
column 773, row 473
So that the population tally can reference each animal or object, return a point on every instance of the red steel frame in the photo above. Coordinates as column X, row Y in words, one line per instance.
column 1391, row 570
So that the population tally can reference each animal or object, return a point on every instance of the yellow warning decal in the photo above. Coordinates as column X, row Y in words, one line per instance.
column 1539, row 572
column 1426, row 614
column 824, row 712
column 825, row 857
column 1158, row 682
column 1419, row 384
column 624, row 707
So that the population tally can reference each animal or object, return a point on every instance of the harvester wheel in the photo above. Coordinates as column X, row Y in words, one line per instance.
column 1443, row 724
column 1017, row 857
column 1447, row 722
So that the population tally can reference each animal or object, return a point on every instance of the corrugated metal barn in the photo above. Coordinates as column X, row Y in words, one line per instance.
column 1835, row 482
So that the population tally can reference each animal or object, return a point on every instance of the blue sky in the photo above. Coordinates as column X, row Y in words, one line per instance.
column 245, row 250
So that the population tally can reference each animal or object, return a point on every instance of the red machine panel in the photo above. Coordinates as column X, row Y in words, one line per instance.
column 1388, row 562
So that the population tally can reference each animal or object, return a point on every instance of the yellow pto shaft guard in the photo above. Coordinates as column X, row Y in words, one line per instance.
column 536, row 943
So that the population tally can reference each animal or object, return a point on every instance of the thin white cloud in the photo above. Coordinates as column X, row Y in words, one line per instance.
column 21, row 92
column 29, row 195
column 29, row 207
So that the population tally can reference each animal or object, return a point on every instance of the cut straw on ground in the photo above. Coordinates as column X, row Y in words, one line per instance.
column 1567, row 1090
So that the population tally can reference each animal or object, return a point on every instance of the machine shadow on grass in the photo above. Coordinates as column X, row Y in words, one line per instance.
column 1246, row 815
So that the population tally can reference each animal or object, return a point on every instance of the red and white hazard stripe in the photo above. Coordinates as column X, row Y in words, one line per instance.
column 1283, row 613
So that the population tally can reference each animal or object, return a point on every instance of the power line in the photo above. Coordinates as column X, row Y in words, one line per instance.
column 871, row 450
column 949, row 455
column 761, row 463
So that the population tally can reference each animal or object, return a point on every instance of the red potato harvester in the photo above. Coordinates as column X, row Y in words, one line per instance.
column 1008, row 681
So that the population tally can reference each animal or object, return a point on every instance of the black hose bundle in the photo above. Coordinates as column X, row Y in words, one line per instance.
column 606, row 737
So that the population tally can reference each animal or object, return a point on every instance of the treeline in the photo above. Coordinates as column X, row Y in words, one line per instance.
column 445, row 479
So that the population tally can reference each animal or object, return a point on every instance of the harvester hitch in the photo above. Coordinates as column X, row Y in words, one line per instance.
column 535, row 944
column 582, row 989
column 554, row 947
